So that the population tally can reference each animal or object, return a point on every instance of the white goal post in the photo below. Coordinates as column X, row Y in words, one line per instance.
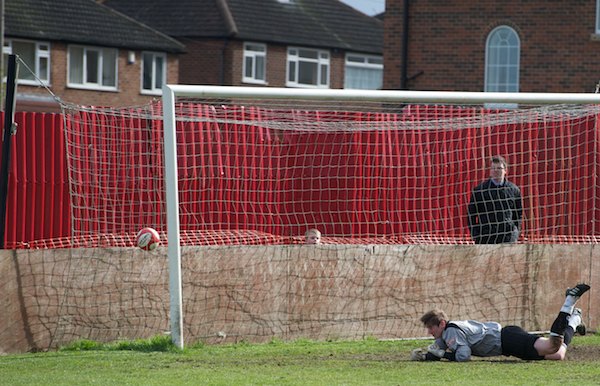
column 359, row 99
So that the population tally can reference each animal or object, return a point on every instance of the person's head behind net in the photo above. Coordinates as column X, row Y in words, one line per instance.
column 312, row 236
column 499, row 160
column 499, row 168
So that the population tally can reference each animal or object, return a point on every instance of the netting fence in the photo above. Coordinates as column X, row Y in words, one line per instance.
column 360, row 174
column 53, row 297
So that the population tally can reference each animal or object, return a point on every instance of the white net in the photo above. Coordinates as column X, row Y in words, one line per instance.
column 258, row 293
column 264, row 171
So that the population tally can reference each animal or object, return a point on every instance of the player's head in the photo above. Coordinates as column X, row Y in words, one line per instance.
column 499, row 167
column 313, row 236
column 435, row 322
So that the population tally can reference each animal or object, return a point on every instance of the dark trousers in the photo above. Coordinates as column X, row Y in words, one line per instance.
column 498, row 238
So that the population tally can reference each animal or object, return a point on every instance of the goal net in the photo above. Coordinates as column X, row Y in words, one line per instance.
column 236, row 176
column 263, row 169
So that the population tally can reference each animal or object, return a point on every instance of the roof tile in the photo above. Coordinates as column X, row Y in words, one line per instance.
column 317, row 23
column 83, row 22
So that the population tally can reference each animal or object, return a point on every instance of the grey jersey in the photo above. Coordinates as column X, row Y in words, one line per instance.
column 469, row 337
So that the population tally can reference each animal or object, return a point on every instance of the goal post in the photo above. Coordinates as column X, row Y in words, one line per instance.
column 553, row 133
column 394, row 96
column 173, row 231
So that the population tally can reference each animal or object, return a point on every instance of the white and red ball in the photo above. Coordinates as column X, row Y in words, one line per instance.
column 147, row 239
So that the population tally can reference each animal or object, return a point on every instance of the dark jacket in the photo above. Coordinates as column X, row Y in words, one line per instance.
column 495, row 213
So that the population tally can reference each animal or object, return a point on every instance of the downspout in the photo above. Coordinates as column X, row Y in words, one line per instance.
column 222, row 69
column 232, row 31
column 404, row 65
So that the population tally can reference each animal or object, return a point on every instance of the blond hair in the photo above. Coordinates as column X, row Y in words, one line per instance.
column 313, row 231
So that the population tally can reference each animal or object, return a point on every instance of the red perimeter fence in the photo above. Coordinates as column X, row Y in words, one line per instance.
column 559, row 157
column 38, row 205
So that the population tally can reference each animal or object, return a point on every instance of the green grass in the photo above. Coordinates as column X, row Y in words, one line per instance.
column 366, row 362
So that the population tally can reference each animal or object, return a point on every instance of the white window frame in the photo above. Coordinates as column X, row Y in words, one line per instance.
column 371, row 62
column 156, row 88
column 42, row 52
column 253, row 56
column 295, row 59
column 502, row 61
column 597, row 17
column 101, row 51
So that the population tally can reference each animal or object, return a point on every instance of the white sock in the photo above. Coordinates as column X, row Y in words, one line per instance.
column 567, row 309
column 569, row 304
column 574, row 321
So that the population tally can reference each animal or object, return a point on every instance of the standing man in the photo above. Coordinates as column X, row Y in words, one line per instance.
column 496, row 208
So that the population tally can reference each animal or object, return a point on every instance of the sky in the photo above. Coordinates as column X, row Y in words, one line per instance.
column 370, row 7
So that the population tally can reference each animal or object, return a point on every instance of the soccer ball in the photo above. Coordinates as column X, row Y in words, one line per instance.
column 147, row 239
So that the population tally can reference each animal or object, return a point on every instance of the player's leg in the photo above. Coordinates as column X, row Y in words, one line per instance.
column 578, row 323
column 554, row 343
column 572, row 296
column 557, row 356
column 575, row 325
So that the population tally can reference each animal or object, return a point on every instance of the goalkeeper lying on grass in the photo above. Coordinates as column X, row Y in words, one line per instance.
column 459, row 340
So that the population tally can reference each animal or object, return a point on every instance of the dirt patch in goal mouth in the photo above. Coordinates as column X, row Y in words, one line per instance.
column 583, row 353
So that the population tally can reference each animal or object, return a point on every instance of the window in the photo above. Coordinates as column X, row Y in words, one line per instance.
column 154, row 72
column 597, row 16
column 363, row 72
column 502, row 60
column 35, row 55
column 255, row 60
column 307, row 68
column 93, row 68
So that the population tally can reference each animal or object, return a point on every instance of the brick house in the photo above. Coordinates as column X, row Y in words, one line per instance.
column 85, row 53
column 278, row 43
column 512, row 45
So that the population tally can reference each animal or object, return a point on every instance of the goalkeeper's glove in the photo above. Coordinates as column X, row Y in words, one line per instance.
column 417, row 354
column 421, row 354
column 436, row 350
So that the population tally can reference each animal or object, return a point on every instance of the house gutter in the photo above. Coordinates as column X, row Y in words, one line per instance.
column 404, row 64
column 232, row 31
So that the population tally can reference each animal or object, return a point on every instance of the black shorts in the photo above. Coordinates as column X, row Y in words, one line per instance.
column 519, row 343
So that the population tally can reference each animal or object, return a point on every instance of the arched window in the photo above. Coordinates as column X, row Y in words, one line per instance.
column 597, row 17
column 502, row 54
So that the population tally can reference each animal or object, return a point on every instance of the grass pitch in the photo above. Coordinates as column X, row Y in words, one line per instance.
column 367, row 362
